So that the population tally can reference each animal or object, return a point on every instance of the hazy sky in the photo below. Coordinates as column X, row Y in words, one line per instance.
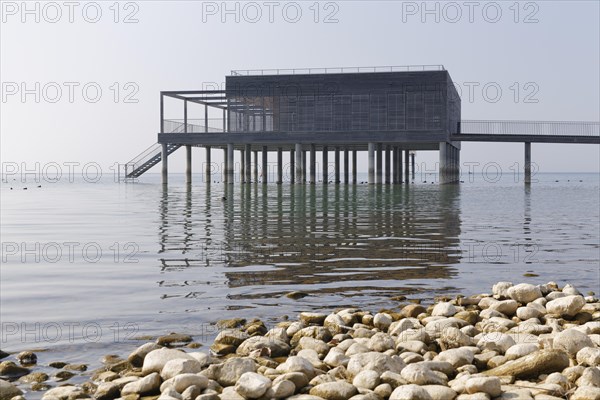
column 55, row 57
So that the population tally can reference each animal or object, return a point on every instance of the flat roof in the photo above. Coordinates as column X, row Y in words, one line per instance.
column 335, row 70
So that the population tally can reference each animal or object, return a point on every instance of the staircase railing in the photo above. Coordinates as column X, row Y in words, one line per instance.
column 152, row 154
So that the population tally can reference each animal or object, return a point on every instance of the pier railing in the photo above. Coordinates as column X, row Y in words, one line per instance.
column 337, row 70
column 538, row 128
column 193, row 125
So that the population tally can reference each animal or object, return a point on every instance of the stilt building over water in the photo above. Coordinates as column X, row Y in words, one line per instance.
column 389, row 112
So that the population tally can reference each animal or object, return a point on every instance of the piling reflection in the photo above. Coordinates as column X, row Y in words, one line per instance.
column 343, row 240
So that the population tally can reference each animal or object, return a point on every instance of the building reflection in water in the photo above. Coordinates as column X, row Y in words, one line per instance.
column 258, row 242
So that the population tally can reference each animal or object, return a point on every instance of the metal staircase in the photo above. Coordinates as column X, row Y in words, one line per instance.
column 147, row 159
column 152, row 155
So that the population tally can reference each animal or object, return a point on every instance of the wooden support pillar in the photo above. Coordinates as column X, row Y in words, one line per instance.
column 304, row 166
column 313, row 163
column 399, row 166
column 527, row 163
column 458, row 164
column 395, row 164
column 280, row 165
column 337, row 165
column 379, row 172
column 346, row 166
column 165, row 163
column 412, row 165
column 292, row 166
column 255, row 168
column 371, row 151
column 354, row 170
column 443, row 172
column 298, row 163
column 325, row 165
column 208, row 165
column 248, row 165
column 454, row 164
column 265, row 166
column 407, row 166
column 188, row 164
column 242, row 166
column 388, row 165
column 229, row 164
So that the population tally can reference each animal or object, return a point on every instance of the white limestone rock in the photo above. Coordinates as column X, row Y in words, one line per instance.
column 565, row 306
column 339, row 390
column 524, row 293
column 252, row 385
column 489, row 385
column 572, row 341
column 410, row 392
column 156, row 359
column 180, row 366
column 444, row 309
column 589, row 356
column 146, row 385
column 367, row 379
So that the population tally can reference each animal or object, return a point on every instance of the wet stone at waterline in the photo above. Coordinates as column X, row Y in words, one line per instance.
column 463, row 348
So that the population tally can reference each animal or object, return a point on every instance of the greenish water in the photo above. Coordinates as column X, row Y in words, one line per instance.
column 88, row 267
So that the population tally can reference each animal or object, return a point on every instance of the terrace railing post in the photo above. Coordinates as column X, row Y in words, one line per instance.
column 185, row 116
column 205, row 118
column 162, row 113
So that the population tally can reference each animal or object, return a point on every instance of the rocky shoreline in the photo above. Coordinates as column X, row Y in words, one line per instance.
column 521, row 341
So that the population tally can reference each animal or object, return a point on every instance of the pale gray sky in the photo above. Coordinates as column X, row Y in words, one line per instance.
column 544, row 57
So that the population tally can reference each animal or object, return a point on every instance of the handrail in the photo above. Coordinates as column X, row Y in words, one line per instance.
column 177, row 126
column 542, row 128
column 337, row 70
column 150, row 150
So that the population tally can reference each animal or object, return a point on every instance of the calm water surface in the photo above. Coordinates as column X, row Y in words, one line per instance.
column 87, row 268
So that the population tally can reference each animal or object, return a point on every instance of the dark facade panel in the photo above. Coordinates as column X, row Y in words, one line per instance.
column 395, row 101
